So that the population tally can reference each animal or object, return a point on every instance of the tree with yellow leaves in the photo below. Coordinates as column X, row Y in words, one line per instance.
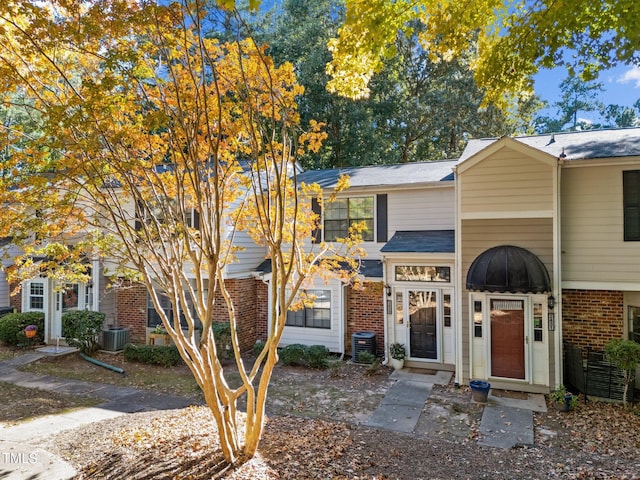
column 144, row 124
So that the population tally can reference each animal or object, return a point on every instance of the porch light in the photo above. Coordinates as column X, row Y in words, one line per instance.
column 388, row 288
column 552, row 302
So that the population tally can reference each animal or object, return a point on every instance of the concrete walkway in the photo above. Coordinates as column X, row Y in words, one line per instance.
column 20, row 456
column 507, row 420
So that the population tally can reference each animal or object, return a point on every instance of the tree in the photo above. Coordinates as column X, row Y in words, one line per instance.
column 418, row 109
column 148, row 124
column 515, row 39
column 624, row 354
column 576, row 96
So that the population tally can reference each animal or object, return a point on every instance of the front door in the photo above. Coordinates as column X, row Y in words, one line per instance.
column 507, row 338
column 423, row 324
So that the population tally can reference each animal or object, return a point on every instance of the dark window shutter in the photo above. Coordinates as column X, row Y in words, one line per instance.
column 139, row 217
column 631, row 194
column 381, row 218
column 316, row 235
column 196, row 219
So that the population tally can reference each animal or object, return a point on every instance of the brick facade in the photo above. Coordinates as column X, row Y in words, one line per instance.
column 365, row 313
column 590, row 318
column 262, row 309
column 15, row 297
column 131, row 308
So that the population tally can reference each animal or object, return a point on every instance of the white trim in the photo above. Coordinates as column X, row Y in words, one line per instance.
column 622, row 286
column 457, row 293
column 416, row 256
column 507, row 214
column 556, row 281
column 614, row 161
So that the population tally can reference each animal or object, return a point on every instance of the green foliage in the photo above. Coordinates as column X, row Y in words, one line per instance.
column 293, row 354
column 81, row 329
column 12, row 327
column 222, row 336
column 314, row 356
column 257, row 348
column 165, row 355
column 559, row 397
column 366, row 357
column 624, row 354
column 397, row 351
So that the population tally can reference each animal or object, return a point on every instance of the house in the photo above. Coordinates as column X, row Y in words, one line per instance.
column 483, row 265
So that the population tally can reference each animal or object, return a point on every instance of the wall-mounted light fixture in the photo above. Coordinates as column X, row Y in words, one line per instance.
column 388, row 288
column 551, row 303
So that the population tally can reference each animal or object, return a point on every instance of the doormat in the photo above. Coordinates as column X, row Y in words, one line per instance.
column 423, row 371
column 509, row 394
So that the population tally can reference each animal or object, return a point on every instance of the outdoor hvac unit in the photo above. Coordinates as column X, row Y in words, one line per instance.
column 362, row 342
column 115, row 338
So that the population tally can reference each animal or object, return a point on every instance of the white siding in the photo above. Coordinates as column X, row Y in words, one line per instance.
column 4, row 289
column 593, row 246
column 248, row 258
column 330, row 338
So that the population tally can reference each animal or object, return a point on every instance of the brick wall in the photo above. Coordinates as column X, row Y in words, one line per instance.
column 262, row 309
column 131, row 308
column 15, row 297
column 590, row 318
column 365, row 313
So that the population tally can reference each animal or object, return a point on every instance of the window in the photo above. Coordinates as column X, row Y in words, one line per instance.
column 631, row 194
column 477, row 319
column 316, row 316
column 153, row 318
column 345, row 212
column 422, row 273
column 36, row 296
column 537, row 322
column 634, row 324
column 447, row 309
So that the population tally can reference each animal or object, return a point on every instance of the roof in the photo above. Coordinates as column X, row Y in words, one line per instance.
column 383, row 175
column 507, row 268
column 421, row 241
column 368, row 268
column 622, row 142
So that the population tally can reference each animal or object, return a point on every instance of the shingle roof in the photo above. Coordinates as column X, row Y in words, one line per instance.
column 623, row 142
column 381, row 175
column 421, row 241
column 368, row 268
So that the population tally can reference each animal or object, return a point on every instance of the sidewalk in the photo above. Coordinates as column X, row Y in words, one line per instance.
column 20, row 456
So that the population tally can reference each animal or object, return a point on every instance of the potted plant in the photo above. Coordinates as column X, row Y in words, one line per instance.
column 30, row 331
column 397, row 353
column 564, row 399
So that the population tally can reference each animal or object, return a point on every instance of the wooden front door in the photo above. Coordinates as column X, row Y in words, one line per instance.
column 423, row 324
column 507, row 339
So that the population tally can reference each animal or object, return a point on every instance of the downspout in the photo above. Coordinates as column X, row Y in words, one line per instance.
column 458, row 286
column 385, row 360
column 557, row 274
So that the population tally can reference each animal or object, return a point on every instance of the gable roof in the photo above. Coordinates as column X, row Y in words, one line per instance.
column 622, row 142
column 383, row 175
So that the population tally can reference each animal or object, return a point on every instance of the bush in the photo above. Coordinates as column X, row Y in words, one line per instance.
column 12, row 327
column 366, row 358
column 316, row 356
column 293, row 354
column 257, row 348
column 81, row 329
column 165, row 355
column 222, row 336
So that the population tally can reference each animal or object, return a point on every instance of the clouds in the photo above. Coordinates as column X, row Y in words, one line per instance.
column 630, row 76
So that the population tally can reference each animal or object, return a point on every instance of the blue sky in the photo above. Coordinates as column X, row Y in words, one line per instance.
column 621, row 85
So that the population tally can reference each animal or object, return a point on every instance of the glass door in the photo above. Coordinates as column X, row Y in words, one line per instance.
column 423, row 324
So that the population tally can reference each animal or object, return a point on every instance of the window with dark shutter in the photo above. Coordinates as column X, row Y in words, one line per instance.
column 631, row 194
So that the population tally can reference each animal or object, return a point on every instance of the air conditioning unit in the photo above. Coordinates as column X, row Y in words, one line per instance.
column 115, row 338
column 362, row 342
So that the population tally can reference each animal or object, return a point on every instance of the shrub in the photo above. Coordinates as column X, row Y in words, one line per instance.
column 81, row 329
column 366, row 357
column 165, row 355
column 316, row 356
column 293, row 354
column 624, row 354
column 222, row 336
column 257, row 348
column 12, row 327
